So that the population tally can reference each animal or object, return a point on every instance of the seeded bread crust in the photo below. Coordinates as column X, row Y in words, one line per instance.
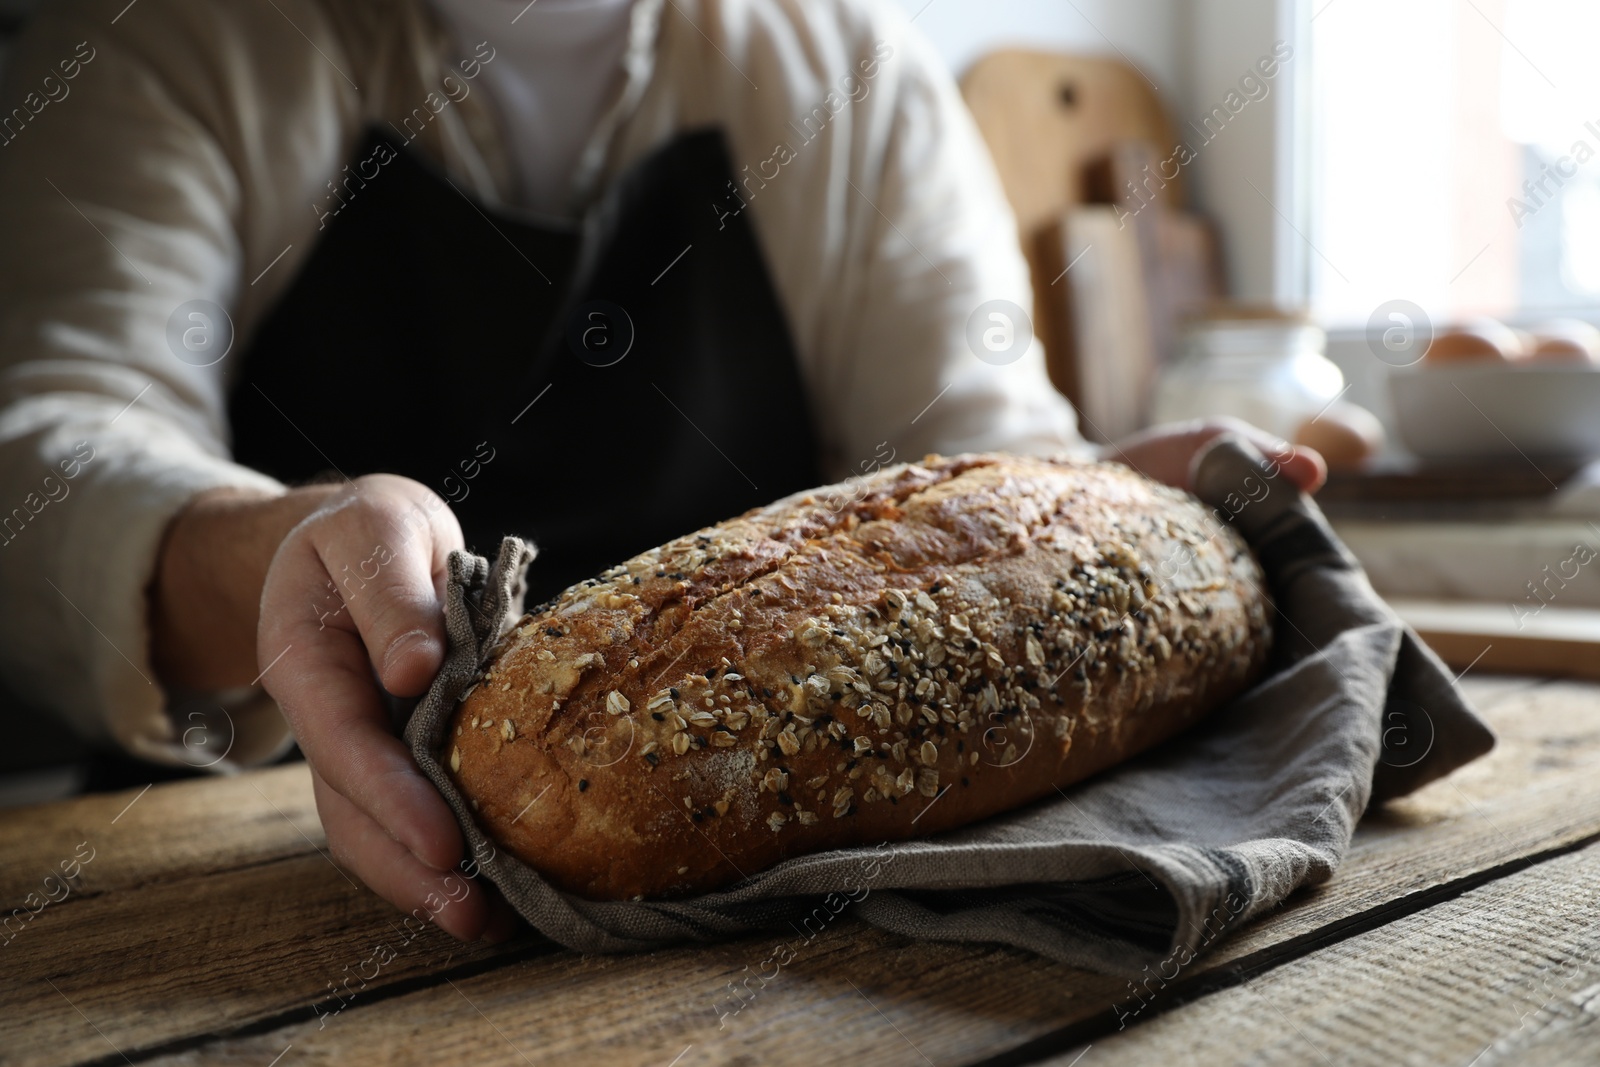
column 885, row 658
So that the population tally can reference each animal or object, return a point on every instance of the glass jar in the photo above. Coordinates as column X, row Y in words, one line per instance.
column 1267, row 368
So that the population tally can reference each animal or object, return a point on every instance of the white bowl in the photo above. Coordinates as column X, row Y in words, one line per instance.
column 1481, row 410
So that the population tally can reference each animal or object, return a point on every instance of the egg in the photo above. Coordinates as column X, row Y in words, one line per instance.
column 1566, row 341
column 1487, row 340
column 1346, row 434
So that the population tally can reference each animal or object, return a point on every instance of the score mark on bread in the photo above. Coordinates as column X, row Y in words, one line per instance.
column 886, row 658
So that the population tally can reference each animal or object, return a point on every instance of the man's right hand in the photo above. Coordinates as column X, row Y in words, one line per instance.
column 349, row 581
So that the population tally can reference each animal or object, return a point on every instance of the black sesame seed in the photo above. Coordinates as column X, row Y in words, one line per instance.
column 964, row 780
column 583, row 783
column 712, row 673
column 674, row 691
column 651, row 758
column 658, row 717
column 784, row 796
column 697, row 816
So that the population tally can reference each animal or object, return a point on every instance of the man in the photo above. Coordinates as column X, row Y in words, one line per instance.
column 596, row 271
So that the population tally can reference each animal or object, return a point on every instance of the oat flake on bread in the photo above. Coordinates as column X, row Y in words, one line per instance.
column 881, row 659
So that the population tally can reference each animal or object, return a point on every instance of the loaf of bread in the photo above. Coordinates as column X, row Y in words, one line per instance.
column 886, row 658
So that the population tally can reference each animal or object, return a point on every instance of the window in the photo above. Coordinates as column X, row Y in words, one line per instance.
column 1455, row 157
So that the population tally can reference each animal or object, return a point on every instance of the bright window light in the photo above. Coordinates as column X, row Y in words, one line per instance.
column 1455, row 158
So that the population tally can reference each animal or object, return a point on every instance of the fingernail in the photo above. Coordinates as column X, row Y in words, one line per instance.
column 401, row 645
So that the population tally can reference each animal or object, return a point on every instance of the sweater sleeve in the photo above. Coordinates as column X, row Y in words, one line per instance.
column 929, row 343
column 128, row 235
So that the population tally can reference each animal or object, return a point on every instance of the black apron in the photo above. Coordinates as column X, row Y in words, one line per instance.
column 596, row 389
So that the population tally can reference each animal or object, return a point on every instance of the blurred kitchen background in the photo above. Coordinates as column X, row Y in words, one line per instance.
column 1368, row 225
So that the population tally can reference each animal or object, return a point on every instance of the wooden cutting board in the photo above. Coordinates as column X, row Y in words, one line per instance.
column 1555, row 641
column 1094, row 318
column 1067, row 133
column 1046, row 116
column 1178, row 253
column 1407, row 486
column 1113, row 283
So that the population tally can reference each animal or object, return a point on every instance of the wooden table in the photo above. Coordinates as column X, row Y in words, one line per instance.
column 1463, row 928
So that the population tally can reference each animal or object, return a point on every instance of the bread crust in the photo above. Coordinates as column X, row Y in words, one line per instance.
column 890, row 657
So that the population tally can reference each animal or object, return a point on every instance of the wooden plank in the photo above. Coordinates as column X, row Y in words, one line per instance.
column 1485, row 979
column 853, row 994
column 174, row 830
column 841, row 1000
column 1020, row 991
column 107, row 975
column 1526, row 637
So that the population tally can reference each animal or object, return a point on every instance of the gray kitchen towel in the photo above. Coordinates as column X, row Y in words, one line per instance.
column 1149, row 862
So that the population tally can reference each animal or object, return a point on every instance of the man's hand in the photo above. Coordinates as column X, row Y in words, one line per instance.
column 1166, row 452
column 349, row 581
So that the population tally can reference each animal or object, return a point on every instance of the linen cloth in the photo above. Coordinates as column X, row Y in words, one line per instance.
column 1152, row 860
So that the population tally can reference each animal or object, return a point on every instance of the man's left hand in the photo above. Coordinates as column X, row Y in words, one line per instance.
column 1166, row 452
